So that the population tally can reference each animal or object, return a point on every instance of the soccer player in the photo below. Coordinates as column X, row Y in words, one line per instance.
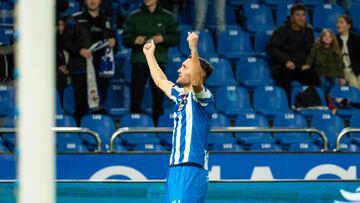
column 187, row 177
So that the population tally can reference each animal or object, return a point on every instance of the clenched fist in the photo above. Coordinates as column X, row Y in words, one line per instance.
column 193, row 39
column 149, row 47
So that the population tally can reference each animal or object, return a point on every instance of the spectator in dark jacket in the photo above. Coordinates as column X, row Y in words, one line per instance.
column 62, row 58
column 350, row 49
column 150, row 21
column 289, row 47
column 83, row 30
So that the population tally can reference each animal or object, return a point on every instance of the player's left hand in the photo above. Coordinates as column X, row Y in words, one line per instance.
column 149, row 47
column 193, row 39
column 112, row 42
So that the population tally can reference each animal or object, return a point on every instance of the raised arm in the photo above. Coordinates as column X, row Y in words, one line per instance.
column 196, row 72
column 156, row 73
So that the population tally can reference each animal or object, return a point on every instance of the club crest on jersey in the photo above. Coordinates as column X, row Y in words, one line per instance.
column 182, row 102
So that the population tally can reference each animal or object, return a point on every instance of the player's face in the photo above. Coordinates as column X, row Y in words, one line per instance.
column 184, row 78
column 342, row 26
column 92, row 4
column 299, row 18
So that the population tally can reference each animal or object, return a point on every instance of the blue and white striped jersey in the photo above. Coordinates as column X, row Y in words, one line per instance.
column 192, row 122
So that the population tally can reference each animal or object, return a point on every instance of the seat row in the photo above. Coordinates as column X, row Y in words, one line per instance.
column 330, row 124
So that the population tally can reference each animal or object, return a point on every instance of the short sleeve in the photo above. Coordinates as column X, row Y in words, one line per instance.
column 175, row 93
column 204, row 97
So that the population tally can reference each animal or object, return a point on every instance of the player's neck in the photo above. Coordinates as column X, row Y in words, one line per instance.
column 187, row 89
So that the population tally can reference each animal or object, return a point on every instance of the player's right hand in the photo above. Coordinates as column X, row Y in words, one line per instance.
column 86, row 53
column 149, row 47
column 193, row 39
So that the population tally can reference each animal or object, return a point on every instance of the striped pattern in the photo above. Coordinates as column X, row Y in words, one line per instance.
column 192, row 119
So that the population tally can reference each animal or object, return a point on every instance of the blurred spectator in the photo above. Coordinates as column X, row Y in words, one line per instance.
column 83, row 30
column 350, row 49
column 149, row 22
column 62, row 58
column 6, row 63
column 201, row 7
column 106, row 7
column 326, row 58
column 288, row 47
column 175, row 6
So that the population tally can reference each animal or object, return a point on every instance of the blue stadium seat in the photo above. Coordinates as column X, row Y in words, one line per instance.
column 9, row 138
column 123, row 52
column 265, row 147
column 355, row 123
column 240, row 2
column 219, row 120
column 230, row 17
column 149, row 148
column 127, row 70
column 250, row 138
column 252, row 72
column 128, row 2
column 103, row 125
column 147, row 101
column 311, row 3
column 66, row 121
column 168, row 105
column 351, row 94
column 6, row 14
column 138, row 121
column 172, row 67
column 283, row 11
column 222, row 74
column 119, row 148
column 3, row 148
column 118, row 100
column 347, row 147
column 325, row 16
column 273, row 3
column 226, row 147
column 259, row 17
column 270, row 100
column 355, row 17
column 206, row 47
column 68, row 147
column 173, row 52
column 308, row 112
column 261, row 39
column 291, row 120
column 304, row 147
column 74, row 7
column 232, row 44
column 6, row 35
column 185, row 28
column 58, row 106
column 330, row 124
column 166, row 120
column 7, row 100
column 187, row 15
column 232, row 100
column 69, row 100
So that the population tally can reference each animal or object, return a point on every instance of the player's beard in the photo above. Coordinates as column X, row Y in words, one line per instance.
column 182, row 83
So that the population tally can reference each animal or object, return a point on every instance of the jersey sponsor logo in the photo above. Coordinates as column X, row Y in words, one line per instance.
column 182, row 102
